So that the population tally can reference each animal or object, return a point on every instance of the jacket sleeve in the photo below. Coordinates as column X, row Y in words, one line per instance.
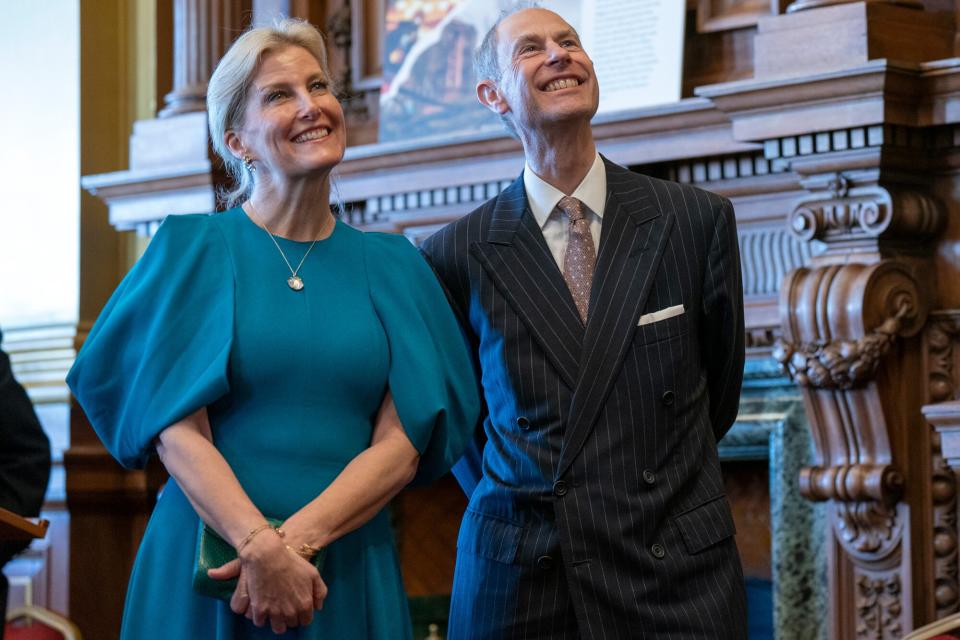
column 469, row 468
column 721, row 327
column 24, row 448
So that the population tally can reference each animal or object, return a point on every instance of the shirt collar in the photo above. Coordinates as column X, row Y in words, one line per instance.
column 543, row 196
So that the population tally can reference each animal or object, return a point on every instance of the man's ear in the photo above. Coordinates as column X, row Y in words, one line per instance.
column 233, row 143
column 489, row 96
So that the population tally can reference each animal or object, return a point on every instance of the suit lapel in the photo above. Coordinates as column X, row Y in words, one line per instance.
column 634, row 236
column 518, row 261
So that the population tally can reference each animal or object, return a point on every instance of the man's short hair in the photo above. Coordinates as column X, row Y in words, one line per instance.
column 486, row 61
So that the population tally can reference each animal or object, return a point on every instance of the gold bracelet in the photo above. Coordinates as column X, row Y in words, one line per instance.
column 305, row 551
column 250, row 536
column 308, row 551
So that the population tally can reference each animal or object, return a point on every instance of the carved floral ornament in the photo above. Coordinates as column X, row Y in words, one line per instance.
column 842, row 299
column 868, row 530
column 840, row 364
column 879, row 606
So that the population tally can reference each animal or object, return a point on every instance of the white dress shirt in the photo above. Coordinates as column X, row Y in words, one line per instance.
column 543, row 198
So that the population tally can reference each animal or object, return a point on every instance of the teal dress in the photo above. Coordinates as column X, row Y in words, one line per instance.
column 292, row 381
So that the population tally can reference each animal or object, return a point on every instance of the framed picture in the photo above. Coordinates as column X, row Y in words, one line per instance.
column 429, row 86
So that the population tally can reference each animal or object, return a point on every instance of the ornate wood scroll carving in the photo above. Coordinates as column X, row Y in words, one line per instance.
column 851, row 322
column 839, row 373
column 845, row 216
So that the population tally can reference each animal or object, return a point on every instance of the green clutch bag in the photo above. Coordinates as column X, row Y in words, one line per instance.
column 213, row 551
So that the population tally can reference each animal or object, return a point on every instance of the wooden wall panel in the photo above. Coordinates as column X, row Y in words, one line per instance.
column 427, row 522
column 748, row 491
column 716, row 56
column 721, row 15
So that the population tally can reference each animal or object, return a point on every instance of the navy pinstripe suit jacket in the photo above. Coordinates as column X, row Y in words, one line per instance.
column 598, row 508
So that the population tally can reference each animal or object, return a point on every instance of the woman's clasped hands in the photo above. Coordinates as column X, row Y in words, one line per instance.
column 275, row 584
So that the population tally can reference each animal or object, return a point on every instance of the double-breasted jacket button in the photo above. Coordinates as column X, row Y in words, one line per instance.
column 560, row 488
column 668, row 397
column 658, row 551
column 545, row 562
column 523, row 423
column 649, row 477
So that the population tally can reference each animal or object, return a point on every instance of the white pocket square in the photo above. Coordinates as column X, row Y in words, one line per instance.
column 663, row 314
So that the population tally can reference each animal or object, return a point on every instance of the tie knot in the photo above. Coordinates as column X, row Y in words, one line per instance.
column 572, row 207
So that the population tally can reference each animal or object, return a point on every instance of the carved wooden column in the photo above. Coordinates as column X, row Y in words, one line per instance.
column 870, row 148
column 202, row 32
column 850, row 339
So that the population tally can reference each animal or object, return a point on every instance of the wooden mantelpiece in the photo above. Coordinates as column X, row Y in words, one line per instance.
column 372, row 175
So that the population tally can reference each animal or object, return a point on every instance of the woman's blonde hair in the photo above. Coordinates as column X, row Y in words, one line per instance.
column 230, row 83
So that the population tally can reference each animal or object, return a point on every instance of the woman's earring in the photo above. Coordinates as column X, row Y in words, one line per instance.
column 248, row 163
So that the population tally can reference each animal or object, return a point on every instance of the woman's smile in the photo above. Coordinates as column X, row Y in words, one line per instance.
column 313, row 134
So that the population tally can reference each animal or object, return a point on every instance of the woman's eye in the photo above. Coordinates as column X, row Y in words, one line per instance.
column 318, row 85
column 273, row 96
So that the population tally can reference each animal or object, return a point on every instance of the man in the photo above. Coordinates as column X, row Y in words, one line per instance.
column 608, row 329
column 24, row 461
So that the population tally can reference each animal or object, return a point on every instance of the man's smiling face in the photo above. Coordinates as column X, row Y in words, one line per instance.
column 547, row 78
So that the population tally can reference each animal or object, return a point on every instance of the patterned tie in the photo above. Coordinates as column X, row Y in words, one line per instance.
column 581, row 255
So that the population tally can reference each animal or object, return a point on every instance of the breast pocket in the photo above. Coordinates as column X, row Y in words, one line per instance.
column 662, row 329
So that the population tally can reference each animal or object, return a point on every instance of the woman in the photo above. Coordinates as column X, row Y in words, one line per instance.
column 283, row 365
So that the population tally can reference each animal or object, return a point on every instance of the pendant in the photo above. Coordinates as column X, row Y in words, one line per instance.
column 295, row 283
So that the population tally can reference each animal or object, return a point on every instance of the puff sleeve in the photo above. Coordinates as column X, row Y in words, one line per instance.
column 431, row 376
column 159, row 350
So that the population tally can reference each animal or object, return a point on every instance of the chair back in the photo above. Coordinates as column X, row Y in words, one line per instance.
column 36, row 623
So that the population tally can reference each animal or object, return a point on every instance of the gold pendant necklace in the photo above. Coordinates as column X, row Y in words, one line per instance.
column 295, row 282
